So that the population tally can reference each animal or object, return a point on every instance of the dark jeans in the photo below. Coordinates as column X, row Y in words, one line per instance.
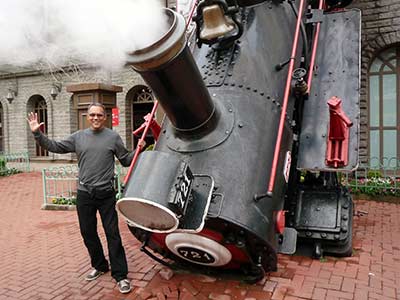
column 87, row 205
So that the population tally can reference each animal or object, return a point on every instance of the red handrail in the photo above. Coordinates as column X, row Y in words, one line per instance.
column 139, row 147
column 191, row 14
column 285, row 101
column 314, row 50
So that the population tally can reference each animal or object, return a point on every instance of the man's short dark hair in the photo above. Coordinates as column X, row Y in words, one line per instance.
column 98, row 104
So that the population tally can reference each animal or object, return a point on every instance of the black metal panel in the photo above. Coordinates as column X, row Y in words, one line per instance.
column 318, row 210
column 154, row 176
column 337, row 73
column 202, row 142
column 214, row 65
column 198, row 205
column 323, row 214
column 252, row 60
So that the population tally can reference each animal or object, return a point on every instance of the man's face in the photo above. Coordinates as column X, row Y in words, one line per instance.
column 96, row 117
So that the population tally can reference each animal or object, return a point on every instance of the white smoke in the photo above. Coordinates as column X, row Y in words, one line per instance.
column 59, row 32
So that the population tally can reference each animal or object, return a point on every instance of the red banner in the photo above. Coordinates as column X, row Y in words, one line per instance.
column 115, row 116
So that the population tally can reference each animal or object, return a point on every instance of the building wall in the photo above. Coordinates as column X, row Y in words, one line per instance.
column 62, row 117
column 380, row 29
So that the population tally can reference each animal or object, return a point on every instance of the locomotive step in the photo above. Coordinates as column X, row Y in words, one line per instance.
column 288, row 241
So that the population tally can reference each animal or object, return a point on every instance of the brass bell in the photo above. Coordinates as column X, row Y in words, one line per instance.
column 215, row 23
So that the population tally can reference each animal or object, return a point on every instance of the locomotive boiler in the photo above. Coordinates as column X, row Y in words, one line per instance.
column 259, row 118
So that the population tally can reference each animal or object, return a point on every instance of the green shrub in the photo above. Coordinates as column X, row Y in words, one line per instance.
column 374, row 174
column 2, row 163
column 375, row 186
column 64, row 200
column 149, row 147
column 8, row 172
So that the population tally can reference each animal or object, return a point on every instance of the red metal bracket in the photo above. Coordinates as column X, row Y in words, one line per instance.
column 139, row 148
column 337, row 150
column 280, row 221
column 154, row 127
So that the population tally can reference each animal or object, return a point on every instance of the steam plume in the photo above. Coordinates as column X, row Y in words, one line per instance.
column 60, row 32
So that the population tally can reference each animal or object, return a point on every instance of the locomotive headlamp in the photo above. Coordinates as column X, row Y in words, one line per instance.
column 215, row 23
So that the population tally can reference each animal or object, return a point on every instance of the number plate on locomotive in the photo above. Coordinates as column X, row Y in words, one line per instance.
column 196, row 255
column 183, row 188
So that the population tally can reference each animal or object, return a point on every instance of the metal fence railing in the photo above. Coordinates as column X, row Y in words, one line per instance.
column 60, row 184
column 14, row 162
column 375, row 177
column 120, row 173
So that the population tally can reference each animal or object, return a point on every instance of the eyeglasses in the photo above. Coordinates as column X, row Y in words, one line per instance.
column 96, row 115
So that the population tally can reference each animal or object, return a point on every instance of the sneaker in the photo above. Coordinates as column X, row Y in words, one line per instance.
column 94, row 274
column 124, row 286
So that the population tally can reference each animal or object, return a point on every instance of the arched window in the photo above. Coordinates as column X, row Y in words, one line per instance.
column 40, row 108
column 142, row 104
column 384, row 109
column 1, row 129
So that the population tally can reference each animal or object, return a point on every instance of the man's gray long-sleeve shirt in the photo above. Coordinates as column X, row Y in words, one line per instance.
column 95, row 151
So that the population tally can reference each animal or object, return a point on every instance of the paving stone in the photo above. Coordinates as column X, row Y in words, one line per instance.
column 204, row 278
column 216, row 296
column 145, row 294
column 44, row 253
column 187, row 286
column 166, row 273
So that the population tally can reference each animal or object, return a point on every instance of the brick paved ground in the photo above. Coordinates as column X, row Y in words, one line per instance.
column 42, row 257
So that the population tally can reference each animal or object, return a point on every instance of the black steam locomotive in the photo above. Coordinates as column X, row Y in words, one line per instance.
column 260, row 118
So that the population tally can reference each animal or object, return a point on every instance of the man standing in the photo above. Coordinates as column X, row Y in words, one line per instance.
column 95, row 147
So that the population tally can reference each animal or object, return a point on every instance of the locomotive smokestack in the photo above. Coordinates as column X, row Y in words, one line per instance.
column 170, row 70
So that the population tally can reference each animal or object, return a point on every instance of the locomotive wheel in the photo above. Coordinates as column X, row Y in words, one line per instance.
column 198, row 249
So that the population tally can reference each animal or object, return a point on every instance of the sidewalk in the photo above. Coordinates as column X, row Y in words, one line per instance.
column 43, row 257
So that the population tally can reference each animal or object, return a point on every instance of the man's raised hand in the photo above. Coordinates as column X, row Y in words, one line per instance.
column 33, row 122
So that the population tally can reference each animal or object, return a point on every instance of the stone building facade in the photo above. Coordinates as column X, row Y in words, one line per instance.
column 31, row 91
column 379, row 101
column 380, row 96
